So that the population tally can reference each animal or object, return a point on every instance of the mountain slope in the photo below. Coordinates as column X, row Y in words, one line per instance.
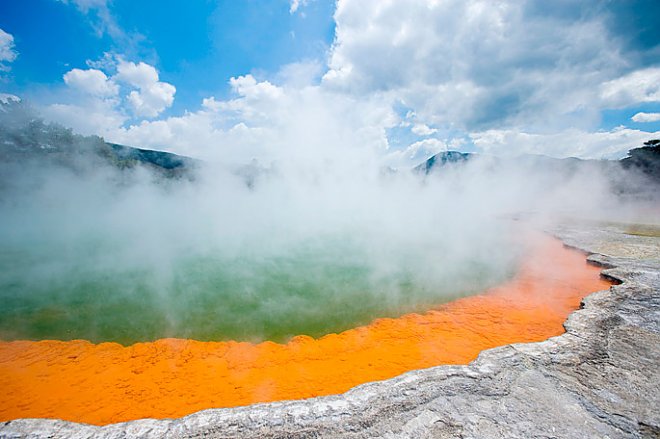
column 26, row 138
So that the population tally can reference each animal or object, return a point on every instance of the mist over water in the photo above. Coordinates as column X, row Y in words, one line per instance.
column 309, row 244
column 87, row 257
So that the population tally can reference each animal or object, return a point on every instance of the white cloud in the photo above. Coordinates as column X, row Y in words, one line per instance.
column 270, row 122
column 295, row 4
column 646, row 117
column 101, row 18
column 138, row 75
column 423, row 130
column 476, row 64
column 92, row 117
column 248, row 87
column 86, row 5
column 93, row 108
column 426, row 147
column 152, row 96
column 300, row 74
column 91, row 81
column 108, row 62
column 639, row 86
column 195, row 134
column 103, row 103
column 7, row 52
column 569, row 143
column 507, row 72
column 6, row 98
column 256, row 101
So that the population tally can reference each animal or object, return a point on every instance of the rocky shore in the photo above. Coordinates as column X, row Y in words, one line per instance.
column 599, row 379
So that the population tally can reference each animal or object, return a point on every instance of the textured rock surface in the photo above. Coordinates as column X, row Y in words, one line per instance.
column 599, row 379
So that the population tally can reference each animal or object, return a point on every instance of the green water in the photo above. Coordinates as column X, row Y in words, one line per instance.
column 311, row 289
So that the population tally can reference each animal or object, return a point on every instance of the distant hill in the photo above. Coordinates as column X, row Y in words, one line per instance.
column 26, row 138
column 644, row 160
column 636, row 176
column 441, row 159
column 168, row 163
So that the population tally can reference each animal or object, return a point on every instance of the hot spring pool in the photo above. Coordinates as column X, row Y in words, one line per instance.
column 106, row 383
column 314, row 288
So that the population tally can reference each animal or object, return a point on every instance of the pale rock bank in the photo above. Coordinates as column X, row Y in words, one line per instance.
column 600, row 379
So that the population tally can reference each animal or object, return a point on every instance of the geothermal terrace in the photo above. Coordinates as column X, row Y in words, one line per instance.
column 174, row 377
column 598, row 379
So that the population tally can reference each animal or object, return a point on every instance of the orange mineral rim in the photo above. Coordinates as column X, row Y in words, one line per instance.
column 107, row 383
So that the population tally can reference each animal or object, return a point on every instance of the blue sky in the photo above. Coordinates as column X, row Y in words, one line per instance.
column 239, row 79
column 197, row 47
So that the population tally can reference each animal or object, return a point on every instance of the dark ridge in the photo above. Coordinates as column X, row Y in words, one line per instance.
column 636, row 177
column 442, row 159
column 645, row 159
column 25, row 138
column 127, row 156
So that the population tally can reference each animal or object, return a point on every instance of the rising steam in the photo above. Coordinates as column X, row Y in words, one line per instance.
column 319, row 240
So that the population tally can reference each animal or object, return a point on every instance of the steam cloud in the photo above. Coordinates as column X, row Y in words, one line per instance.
column 321, row 239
